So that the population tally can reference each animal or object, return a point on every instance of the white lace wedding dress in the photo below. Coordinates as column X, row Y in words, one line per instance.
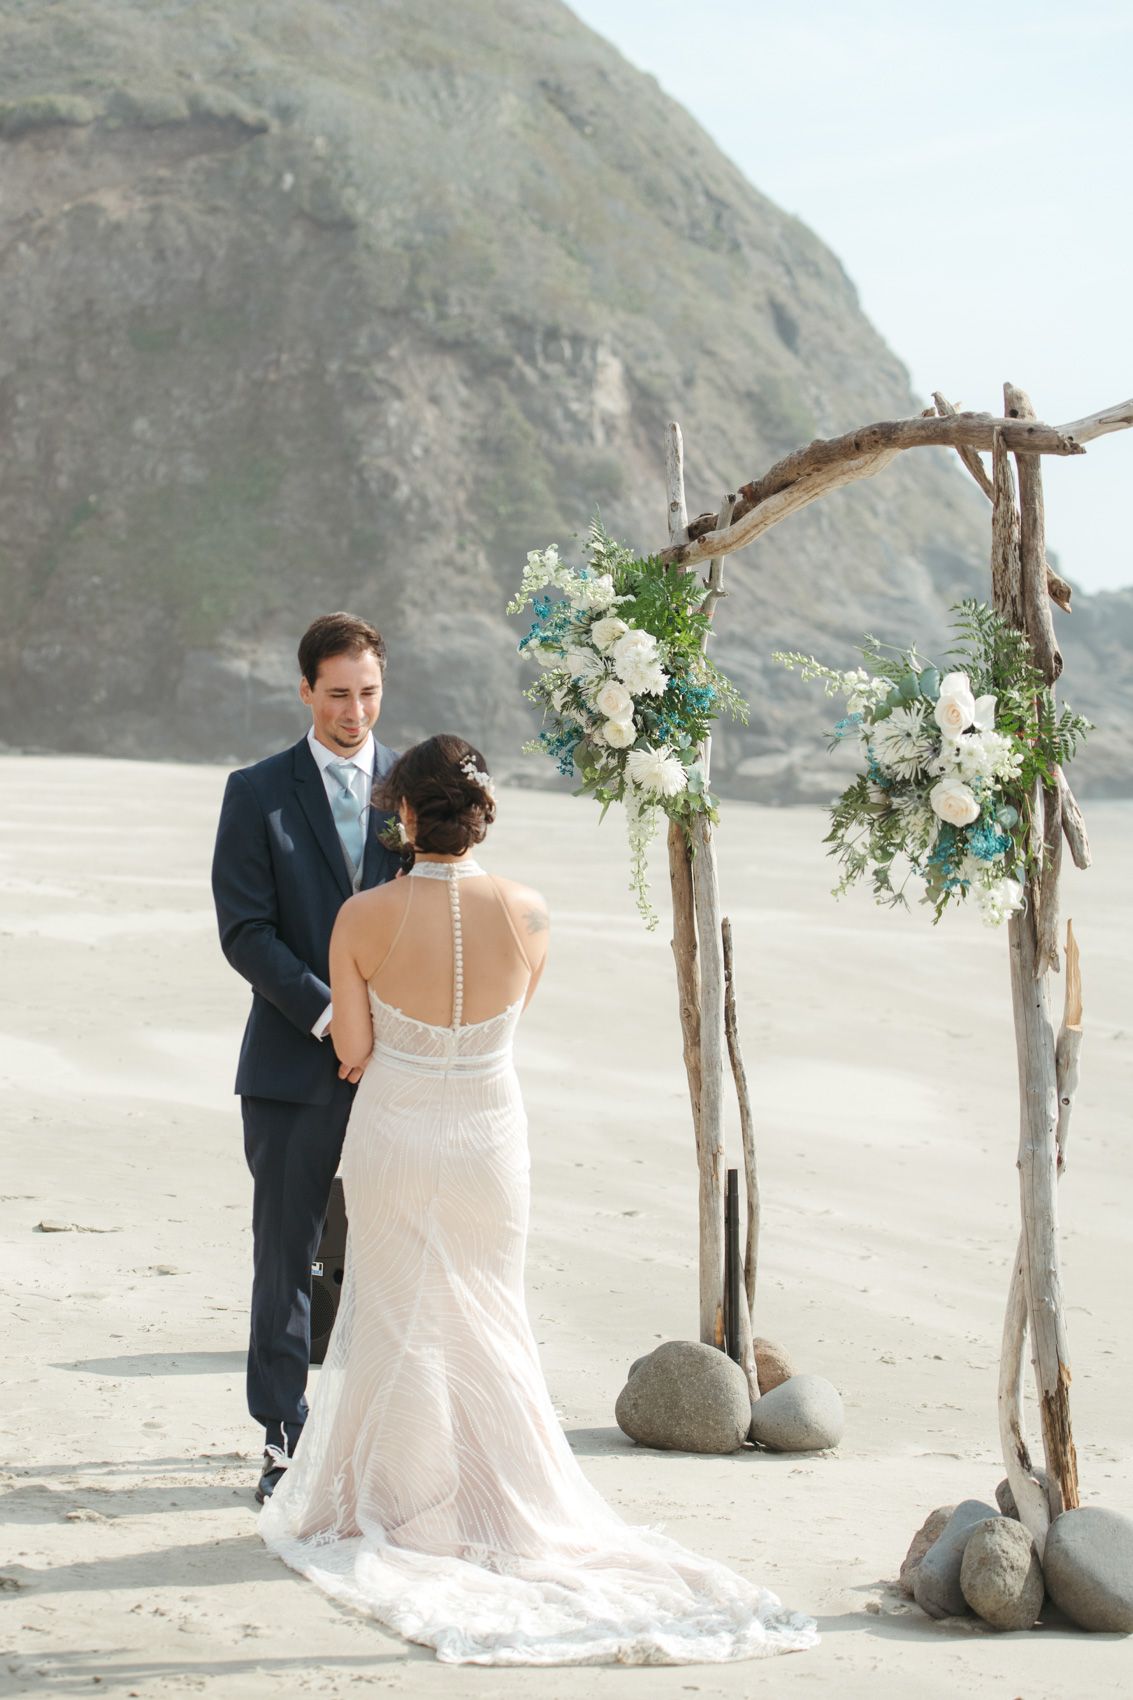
column 433, row 1487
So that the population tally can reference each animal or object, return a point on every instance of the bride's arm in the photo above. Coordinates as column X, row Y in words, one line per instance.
column 352, row 1028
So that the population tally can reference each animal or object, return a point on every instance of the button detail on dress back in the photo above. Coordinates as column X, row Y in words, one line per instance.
column 457, row 957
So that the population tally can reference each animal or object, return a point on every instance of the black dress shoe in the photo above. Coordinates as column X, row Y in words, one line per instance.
column 270, row 1475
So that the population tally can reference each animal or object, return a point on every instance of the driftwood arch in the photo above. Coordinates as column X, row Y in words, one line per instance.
column 1023, row 587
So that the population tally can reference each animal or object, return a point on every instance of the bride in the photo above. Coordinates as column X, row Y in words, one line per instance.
column 433, row 1487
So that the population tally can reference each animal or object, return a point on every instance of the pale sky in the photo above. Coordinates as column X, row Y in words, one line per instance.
column 970, row 165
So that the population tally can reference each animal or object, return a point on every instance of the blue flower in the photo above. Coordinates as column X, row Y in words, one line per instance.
column 849, row 723
column 986, row 841
column 945, row 858
column 560, row 746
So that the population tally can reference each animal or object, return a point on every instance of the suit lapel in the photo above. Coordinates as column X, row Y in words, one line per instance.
column 312, row 795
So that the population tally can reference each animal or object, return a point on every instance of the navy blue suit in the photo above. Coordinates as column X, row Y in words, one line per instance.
column 279, row 878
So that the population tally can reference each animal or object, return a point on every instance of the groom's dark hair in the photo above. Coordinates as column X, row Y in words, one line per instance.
column 337, row 634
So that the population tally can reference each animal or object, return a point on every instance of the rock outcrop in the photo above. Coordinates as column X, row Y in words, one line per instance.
column 316, row 305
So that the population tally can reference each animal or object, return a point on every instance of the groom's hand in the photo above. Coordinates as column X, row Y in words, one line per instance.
column 353, row 1075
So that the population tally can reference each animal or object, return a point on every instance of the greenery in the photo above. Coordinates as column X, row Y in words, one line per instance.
column 953, row 761
column 628, row 693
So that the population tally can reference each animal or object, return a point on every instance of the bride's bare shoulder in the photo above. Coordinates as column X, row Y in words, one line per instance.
column 528, row 907
column 375, row 908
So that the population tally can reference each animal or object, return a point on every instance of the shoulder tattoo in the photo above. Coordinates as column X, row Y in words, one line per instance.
column 536, row 920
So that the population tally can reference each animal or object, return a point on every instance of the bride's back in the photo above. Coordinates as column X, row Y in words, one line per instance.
column 416, row 927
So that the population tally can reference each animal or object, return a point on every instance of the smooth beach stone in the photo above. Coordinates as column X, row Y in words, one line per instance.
column 1088, row 1565
column 772, row 1365
column 686, row 1397
column 1005, row 1499
column 637, row 1363
column 936, row 1579
column 930, row 1530
column 1000, row 1574
column 803, row 1414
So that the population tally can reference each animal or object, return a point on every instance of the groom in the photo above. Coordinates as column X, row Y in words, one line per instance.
column 297, row 836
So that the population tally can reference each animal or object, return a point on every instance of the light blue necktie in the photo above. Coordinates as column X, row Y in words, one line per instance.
column 347, row 804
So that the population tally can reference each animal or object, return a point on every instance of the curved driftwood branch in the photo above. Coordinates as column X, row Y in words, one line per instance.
column 968, row 457
column 828, row 463
column 1073, row 825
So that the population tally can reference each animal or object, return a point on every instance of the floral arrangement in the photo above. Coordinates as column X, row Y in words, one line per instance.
column 951, row 763
column 627, row 692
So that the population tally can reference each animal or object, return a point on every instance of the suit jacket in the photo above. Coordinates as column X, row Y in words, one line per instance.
column 279, row 878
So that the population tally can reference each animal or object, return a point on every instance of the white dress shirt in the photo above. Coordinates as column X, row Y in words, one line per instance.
column 363, row 759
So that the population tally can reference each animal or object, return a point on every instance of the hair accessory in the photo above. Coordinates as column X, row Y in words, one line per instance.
column 478, row 777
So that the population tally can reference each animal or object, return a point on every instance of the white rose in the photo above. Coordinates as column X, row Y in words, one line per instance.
column 605, row 633
column 983, row 713
column 956, row 707
column 632, row 649
column 619, row 734
column 614, row 701
column 953, row 802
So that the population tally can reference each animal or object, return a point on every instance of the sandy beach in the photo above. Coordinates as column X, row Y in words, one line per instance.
column 881, row 1056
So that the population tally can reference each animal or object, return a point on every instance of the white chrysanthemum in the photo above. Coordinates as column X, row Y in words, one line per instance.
column 644, row 678
column 919, row 824
column 584, row 664
column 659, row 773
column 903, row 742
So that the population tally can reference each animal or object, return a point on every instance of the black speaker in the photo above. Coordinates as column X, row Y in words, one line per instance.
column 327, row 1272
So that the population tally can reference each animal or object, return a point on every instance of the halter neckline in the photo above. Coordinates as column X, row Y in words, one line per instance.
column 445, row 870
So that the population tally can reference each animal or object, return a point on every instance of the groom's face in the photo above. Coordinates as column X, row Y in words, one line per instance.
column 345, row 700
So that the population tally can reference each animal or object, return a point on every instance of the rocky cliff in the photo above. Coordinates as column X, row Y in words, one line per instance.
column 350, row 304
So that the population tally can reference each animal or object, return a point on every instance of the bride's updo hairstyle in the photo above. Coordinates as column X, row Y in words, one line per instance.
column 442, row 781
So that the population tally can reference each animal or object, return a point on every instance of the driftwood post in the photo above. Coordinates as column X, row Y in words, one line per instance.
column 1019, row 580
column 1023, row 585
